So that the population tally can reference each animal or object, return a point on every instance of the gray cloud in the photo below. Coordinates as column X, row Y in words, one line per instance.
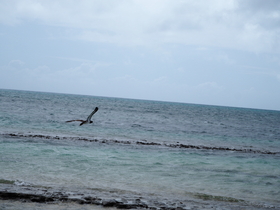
column 260, row 5
column 251, row 25
column 191, row 51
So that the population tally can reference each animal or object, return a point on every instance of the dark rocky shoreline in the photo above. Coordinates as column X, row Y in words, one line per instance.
column 41, row 195
column 47, row 195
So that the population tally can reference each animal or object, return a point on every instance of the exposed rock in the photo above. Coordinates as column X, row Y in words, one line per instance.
column 144, row 142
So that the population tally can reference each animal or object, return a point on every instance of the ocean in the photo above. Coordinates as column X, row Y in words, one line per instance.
column 136, row 153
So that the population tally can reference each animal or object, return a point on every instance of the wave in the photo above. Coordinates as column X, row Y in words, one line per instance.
column 144, row 142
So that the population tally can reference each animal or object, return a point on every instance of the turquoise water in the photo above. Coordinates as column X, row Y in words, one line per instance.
column 129, row 149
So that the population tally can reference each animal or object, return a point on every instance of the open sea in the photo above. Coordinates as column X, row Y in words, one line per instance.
column 135, row 154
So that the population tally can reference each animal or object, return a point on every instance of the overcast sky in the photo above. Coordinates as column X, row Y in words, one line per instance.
column 212, row 52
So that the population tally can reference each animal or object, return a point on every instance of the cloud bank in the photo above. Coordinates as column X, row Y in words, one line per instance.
column 252, row 25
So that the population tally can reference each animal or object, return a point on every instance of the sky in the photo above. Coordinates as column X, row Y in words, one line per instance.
column 211, row 52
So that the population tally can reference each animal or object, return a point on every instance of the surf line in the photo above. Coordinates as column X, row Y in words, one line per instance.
column 144, row 142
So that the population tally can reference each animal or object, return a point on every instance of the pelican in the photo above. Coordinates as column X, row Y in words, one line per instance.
column 88, row 120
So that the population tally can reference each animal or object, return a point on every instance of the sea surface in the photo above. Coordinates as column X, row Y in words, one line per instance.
column 164, row 154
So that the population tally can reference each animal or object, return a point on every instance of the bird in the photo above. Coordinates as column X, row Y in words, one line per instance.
column 88, row 120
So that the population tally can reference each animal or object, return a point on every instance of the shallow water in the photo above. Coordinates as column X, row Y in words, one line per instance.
column 129, row 149
column 17, row 205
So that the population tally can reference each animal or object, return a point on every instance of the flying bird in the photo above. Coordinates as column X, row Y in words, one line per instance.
column 88, row 121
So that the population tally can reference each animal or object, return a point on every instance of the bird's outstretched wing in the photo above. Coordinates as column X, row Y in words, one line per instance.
column 93, row 112
column 74, row 120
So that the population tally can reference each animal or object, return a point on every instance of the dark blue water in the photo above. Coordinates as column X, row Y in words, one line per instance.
column 172, row 150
